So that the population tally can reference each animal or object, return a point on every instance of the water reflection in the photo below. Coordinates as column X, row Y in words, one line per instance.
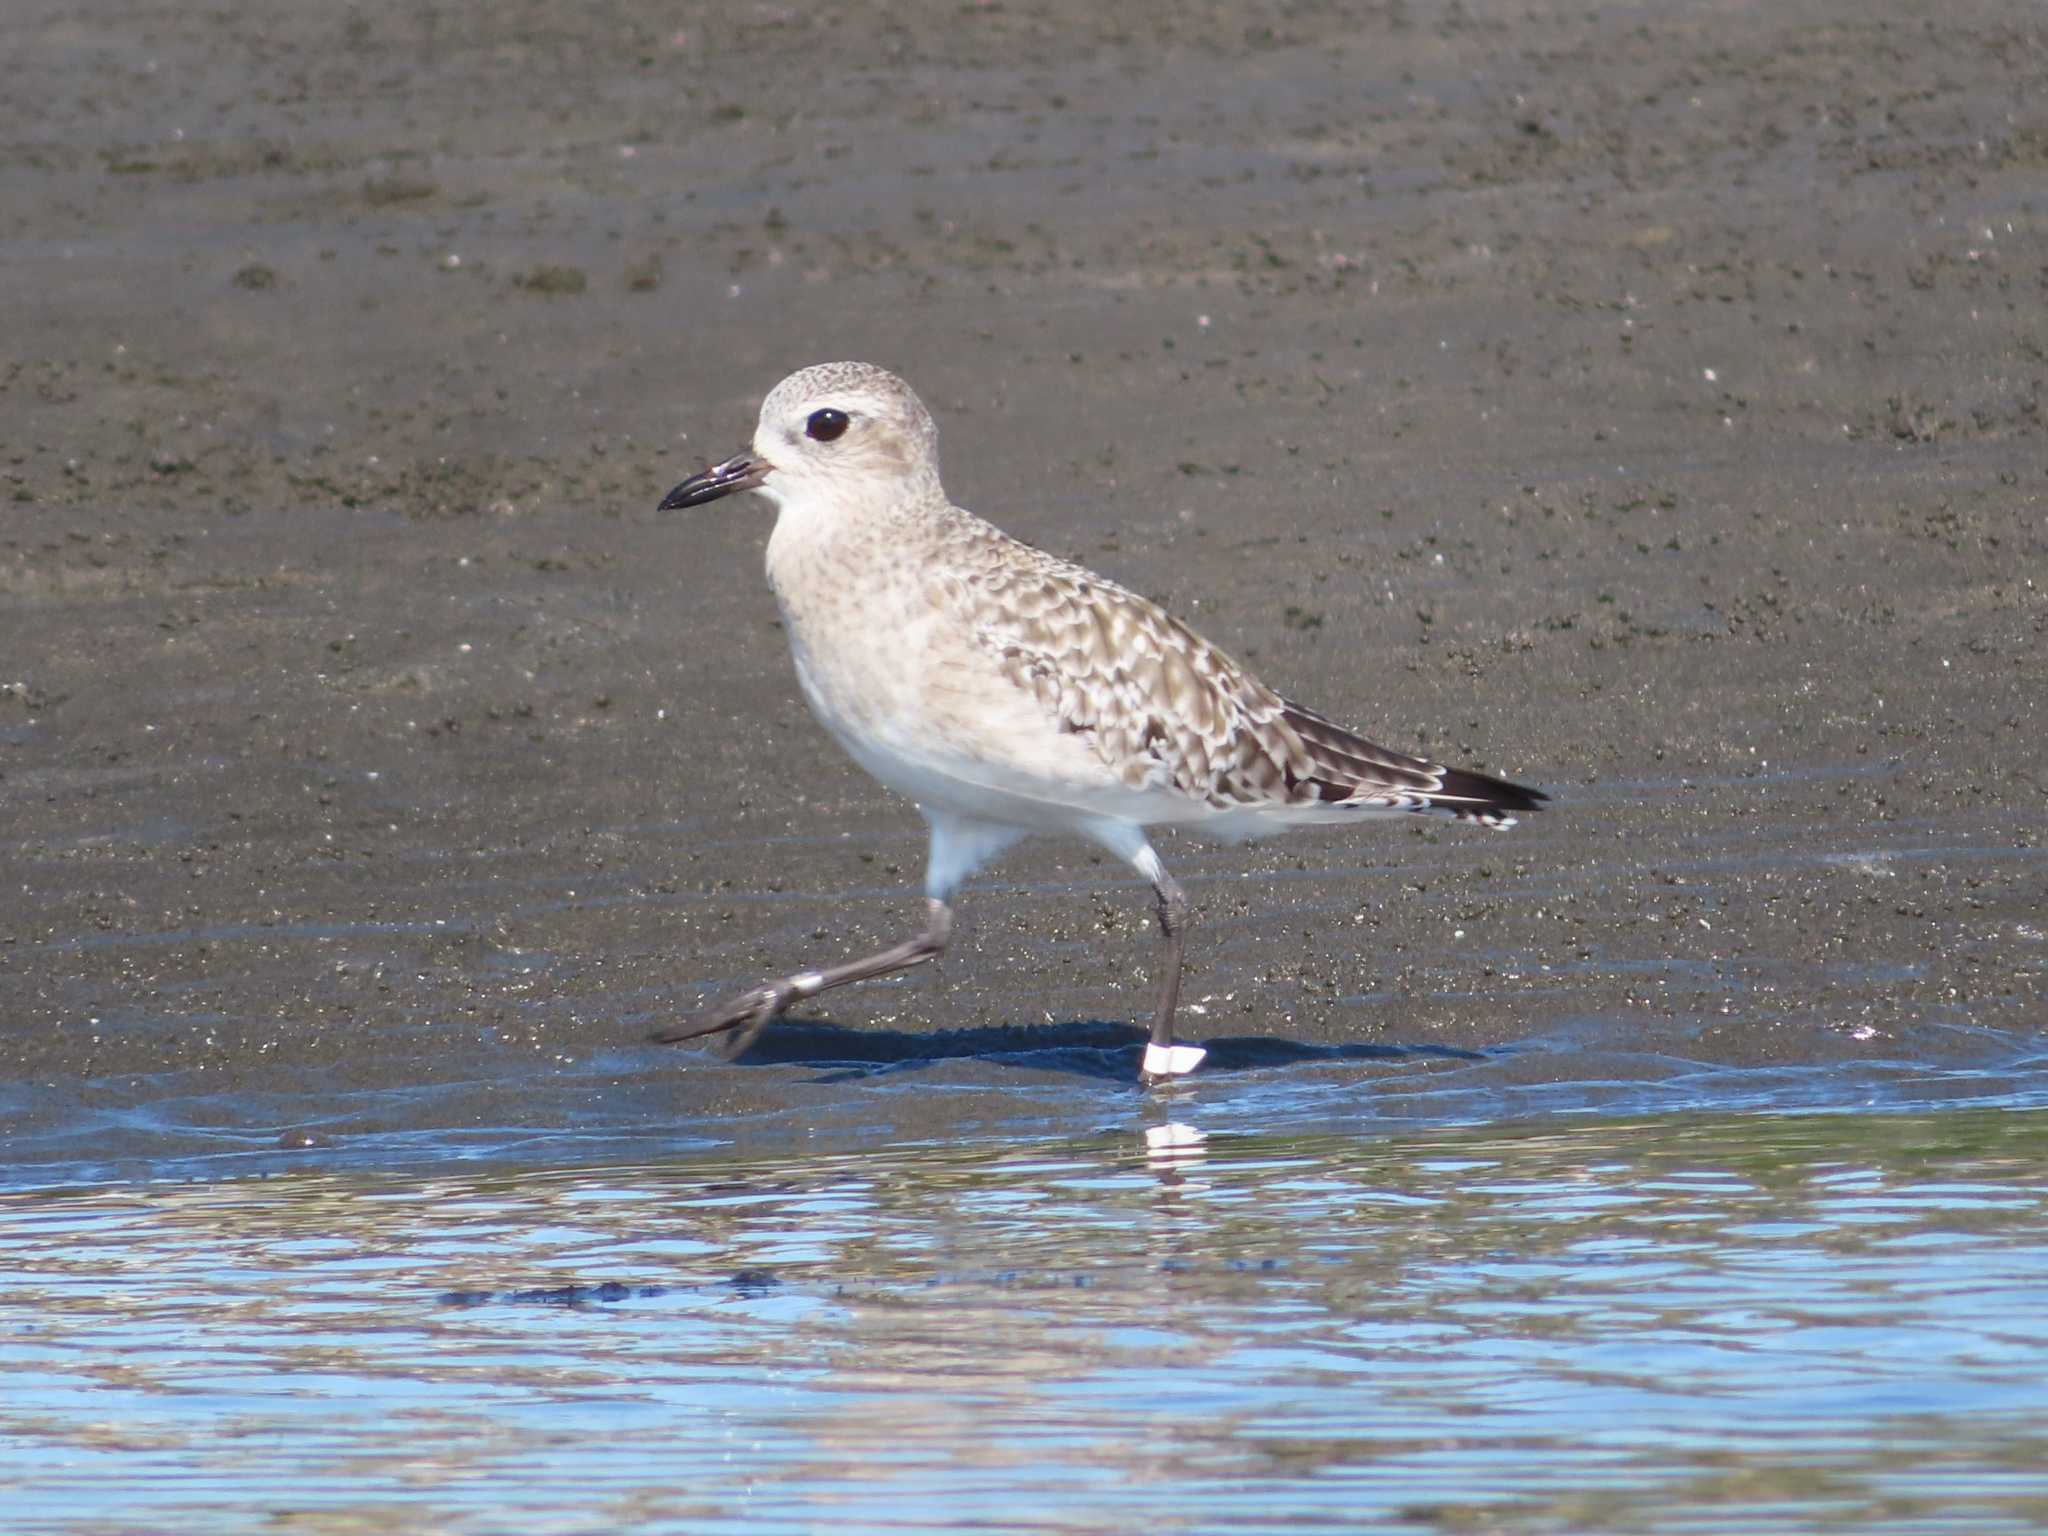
column 1685, row 1324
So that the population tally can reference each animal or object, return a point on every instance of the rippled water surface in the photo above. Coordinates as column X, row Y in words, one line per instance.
column 1683, row 1324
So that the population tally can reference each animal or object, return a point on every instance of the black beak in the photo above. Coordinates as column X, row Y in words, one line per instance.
column 741, row 472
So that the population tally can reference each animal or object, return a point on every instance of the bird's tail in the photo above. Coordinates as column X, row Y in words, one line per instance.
column 1349, row 771
column 1482, row 798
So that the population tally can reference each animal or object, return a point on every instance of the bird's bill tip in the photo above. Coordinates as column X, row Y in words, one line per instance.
column 741, row 472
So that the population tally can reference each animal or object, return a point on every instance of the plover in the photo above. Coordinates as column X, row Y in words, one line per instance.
column 1006, row 691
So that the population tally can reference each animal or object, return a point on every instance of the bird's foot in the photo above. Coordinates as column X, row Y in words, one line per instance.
column 1168, row 1061
column 746, row 1016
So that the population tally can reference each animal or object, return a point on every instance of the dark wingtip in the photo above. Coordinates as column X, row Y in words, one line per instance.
column 1482, row 797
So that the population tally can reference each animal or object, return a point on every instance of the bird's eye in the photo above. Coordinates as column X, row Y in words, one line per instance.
column 826, row 425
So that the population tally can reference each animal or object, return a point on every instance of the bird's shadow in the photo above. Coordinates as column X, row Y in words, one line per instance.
column 1104, row 1050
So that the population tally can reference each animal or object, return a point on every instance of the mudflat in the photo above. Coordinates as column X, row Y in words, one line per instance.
column 1644, row 403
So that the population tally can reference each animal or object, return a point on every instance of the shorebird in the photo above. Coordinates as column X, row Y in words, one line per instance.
column 1006, row 691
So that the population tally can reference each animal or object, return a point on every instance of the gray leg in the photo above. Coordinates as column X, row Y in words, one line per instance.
column 1173, row 933
column 751, row 1012
column 959, row 846
column 1163, row 1058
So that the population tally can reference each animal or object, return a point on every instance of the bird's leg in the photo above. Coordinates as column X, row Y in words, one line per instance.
column 1164, row 1059
column 752, row 1011
column 1173, row 919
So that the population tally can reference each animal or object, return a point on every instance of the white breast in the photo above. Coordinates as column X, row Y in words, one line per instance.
column 913, row 695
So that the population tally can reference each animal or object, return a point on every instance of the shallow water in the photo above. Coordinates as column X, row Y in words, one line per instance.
column 1680, row 1323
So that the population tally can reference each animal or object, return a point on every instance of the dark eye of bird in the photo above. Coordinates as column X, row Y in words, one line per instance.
column 826, row 425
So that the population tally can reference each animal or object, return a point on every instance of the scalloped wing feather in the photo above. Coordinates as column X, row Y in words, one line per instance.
column 1165, row 710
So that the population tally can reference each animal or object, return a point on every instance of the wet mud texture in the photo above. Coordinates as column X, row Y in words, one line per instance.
column 1640, row 401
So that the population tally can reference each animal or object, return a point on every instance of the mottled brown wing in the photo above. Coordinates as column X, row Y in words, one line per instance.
column 1348, row 767
column 1160, row 706
column 1163, row 708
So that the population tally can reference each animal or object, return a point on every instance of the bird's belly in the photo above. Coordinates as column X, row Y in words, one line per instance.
column 949, row 732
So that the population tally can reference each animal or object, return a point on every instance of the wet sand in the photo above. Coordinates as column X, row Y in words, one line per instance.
column 1643, row 403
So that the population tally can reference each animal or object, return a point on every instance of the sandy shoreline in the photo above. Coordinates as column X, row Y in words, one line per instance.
column 1645, row 405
